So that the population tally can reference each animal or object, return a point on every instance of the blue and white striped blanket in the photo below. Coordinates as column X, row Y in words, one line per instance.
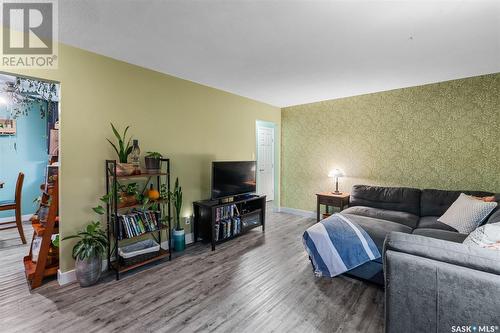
column 337, row 245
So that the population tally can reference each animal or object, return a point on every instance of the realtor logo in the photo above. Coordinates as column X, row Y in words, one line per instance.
column 29, row 37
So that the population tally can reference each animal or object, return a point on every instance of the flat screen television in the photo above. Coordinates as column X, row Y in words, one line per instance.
column 233, row 178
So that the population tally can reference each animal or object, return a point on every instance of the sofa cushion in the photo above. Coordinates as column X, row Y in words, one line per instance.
column 402, row 199
column 377, row 229
column 431, row 222
column 407, row 219
column 467, row 213
column 494, row 216
column 437, row 202
column 487, row 236
column 451, row 236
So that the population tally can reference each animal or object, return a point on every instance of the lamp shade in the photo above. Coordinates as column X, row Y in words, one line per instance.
column 336, row 173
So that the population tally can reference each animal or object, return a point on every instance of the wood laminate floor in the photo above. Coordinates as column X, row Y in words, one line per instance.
column 255, row 283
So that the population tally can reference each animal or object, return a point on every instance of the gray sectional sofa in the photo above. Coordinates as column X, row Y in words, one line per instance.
column 433, row 285
column 382, row 210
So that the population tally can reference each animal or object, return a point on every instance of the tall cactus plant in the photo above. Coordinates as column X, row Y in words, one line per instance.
column 176, row 199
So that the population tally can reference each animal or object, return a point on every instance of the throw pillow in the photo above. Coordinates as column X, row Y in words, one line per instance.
column 467, row 213
column 487, row 236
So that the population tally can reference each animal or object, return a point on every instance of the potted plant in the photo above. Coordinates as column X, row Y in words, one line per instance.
column 129, row 195
column 88, row 253
column 179, row 235
column 153, row 161
column 123, row 149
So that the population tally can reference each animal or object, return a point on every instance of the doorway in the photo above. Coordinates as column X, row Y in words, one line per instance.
column 265, row 133
column 29, row 169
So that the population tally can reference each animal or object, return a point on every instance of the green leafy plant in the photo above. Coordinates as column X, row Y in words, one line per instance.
column 176, row 198
column 92, row 242
column 106, row 199
column 123, row 149
column 130, row 189
column 26, row 94
column 154, row 154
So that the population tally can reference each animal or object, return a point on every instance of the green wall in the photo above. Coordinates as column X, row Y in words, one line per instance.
column 443, row 135
column 190, row 123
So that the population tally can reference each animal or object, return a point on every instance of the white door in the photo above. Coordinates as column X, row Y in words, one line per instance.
column 265, row 162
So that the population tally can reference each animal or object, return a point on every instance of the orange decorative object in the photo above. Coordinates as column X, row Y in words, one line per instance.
column 153, row 194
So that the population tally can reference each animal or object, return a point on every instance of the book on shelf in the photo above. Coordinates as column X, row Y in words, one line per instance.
column 136, row 223
column 225, row 212
column 227, row 228
column 227, row 222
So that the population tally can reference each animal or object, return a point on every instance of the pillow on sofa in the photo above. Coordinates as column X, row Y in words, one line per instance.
column 467, row 213
column 487, row 236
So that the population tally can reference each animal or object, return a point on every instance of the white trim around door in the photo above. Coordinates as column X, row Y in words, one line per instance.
column 266, row 164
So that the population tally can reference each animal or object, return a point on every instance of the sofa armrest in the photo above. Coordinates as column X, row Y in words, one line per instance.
column 449, row 252
column 433, row 285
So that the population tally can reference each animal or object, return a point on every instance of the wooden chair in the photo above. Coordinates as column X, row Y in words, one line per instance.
column 15, row 205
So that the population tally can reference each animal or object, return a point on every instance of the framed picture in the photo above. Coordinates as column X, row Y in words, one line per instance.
column 7, row 127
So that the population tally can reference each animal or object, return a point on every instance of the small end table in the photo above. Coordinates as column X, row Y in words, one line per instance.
column 329, row 199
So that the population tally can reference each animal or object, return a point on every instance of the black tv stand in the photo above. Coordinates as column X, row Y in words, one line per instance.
column 229, row 200
column 217, row 222
column 245, row 197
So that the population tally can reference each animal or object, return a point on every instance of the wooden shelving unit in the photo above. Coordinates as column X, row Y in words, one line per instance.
column 113, row 209
column 143, row 175
column 43, row 267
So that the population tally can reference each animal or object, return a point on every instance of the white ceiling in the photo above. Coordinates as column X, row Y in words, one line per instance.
column 292, row 52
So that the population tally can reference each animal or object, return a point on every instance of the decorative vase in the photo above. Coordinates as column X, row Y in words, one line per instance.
column 124, row 169
column 88, row 271
column 153, row 164
column 134, row 157
column 179, row 238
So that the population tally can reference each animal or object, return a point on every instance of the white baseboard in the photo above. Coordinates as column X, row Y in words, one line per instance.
column 64, row 278
column 24, row 218
column 68, row 277
column 276, row 209
column 299, row 212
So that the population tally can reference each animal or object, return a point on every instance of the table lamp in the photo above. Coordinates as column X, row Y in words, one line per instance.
column 336, row 173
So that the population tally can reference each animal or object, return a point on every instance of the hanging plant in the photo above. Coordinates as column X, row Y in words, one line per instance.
column 24, row 93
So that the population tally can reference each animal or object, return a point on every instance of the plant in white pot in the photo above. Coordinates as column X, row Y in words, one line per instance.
column 179, row 235
column 88, row 253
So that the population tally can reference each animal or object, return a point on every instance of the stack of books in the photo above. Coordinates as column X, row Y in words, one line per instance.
column 137, row 223
column 227, row 222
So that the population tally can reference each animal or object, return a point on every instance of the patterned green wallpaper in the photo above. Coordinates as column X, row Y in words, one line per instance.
column 443, row 135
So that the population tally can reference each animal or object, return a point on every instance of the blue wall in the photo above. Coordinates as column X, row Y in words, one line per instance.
column 24, row 152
